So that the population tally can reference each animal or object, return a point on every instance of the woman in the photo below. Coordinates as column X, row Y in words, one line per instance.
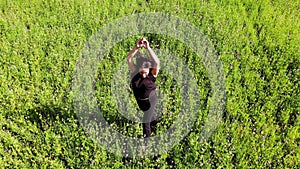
column 143, row 75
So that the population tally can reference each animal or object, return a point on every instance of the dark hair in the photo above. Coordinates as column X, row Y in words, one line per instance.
column 142, row 61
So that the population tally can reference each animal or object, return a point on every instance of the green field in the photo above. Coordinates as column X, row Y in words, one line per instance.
column 258, row 45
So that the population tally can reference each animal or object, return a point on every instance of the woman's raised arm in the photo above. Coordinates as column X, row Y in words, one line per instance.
column 156, row 65
column 129, row 58
column 130, row 62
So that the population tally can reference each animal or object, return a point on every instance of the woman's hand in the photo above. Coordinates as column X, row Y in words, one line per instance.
column 140, row 43
column 145, row 43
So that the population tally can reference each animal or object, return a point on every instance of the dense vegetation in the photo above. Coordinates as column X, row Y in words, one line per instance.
column 257, row 42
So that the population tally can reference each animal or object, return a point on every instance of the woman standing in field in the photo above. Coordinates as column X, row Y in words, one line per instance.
column 143, row 77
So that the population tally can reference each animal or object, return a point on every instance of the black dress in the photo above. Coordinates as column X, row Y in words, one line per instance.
column 144, row 92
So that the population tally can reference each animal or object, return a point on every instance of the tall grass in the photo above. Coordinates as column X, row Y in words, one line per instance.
column 257, row 41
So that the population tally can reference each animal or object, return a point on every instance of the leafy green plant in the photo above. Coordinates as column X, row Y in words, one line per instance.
column 257, row 42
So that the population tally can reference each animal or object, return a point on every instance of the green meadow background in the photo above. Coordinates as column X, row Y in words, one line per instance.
column 257, row 42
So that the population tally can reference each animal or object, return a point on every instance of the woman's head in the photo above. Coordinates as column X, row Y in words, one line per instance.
column 144, row 64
